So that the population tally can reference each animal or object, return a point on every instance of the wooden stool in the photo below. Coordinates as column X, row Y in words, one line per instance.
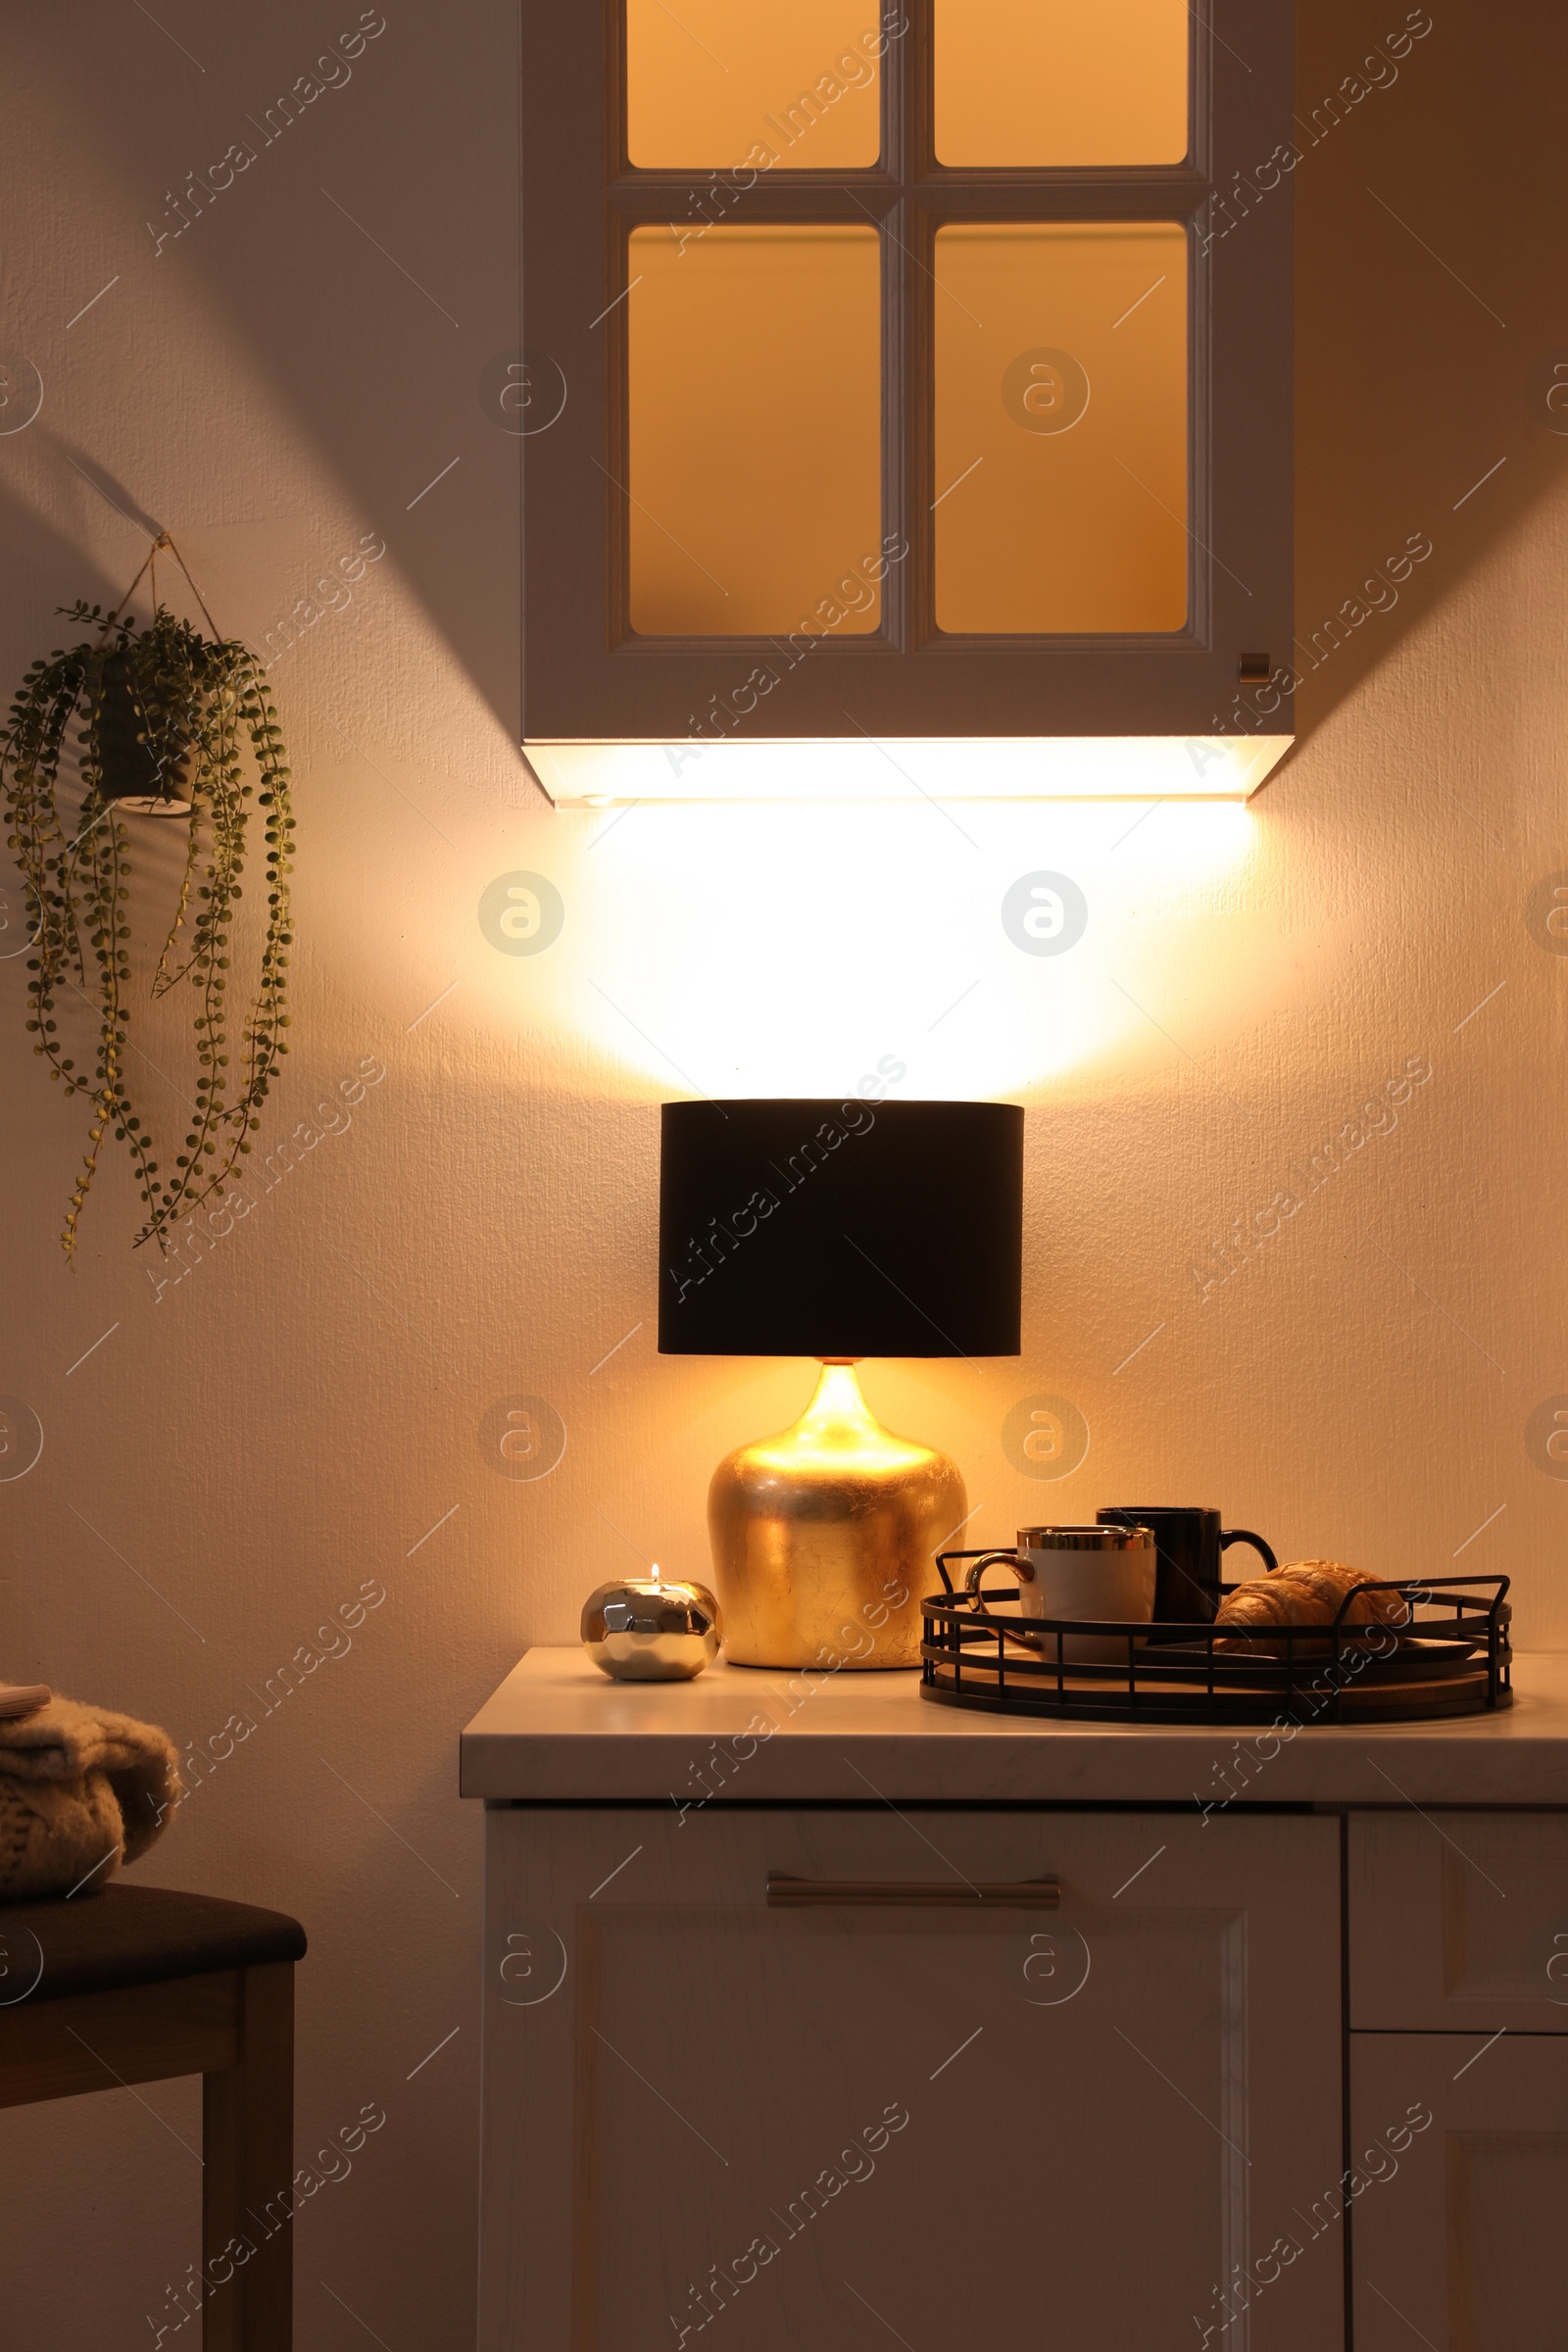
column 138, row 1983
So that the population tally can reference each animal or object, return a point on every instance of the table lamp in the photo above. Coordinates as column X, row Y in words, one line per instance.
column 837, row 1230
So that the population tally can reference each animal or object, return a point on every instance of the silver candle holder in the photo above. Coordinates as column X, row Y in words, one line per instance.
column 643, row 1629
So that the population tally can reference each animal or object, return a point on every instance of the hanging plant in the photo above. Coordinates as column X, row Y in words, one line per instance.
column 162, row 719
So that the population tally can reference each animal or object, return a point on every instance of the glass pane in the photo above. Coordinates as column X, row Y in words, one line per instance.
column 755, row 431
column 1056, row 81
column 735, row 86
column 1061, row 427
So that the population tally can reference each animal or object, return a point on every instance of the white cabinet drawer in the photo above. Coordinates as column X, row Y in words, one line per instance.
column 1458, row 2191
column 946, row 2119
column 1459, row 1922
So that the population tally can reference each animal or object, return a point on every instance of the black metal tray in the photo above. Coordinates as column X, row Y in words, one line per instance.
column 1451, row 1656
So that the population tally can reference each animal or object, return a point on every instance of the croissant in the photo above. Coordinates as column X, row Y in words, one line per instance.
column 1306, row 1592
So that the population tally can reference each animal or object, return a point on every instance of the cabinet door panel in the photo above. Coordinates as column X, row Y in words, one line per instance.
column 755, row 447
column 1062, row 425
column 1082, row 86
column 1082, row 2122
column 1459, row 1921
column 1457, row 2236
column 726, row 83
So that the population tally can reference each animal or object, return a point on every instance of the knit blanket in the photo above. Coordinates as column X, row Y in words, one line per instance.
column 82, row 1790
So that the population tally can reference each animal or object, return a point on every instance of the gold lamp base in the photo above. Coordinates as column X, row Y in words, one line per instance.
column 824, row 1537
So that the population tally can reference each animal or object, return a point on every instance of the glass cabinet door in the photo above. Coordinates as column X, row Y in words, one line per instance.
column 948, row 339
column 1053, row 385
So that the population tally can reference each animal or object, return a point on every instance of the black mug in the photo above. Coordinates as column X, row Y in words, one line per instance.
column 1188, row 1543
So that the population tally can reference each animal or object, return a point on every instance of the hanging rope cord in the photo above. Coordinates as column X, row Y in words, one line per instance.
column 150, row 564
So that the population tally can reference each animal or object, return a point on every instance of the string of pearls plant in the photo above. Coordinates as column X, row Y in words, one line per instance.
column 163, row 718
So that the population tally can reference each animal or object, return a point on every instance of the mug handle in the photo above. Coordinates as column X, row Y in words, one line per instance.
column 1023, row 1570
column 1241, row 1535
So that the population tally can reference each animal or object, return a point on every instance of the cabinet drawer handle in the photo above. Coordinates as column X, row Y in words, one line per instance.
column 1009, row 1894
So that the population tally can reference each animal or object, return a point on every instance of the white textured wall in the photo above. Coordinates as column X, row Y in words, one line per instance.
column 253, row 1443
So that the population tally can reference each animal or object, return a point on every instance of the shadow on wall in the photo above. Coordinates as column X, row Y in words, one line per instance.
column 367, row 257
column 361, row 266
column 56, row 569
column 1430, row 305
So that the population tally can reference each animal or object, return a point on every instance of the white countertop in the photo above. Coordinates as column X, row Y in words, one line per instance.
column 559, row 1728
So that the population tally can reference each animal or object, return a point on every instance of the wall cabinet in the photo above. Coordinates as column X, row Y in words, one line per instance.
column 941, row 2117
column 918, row 374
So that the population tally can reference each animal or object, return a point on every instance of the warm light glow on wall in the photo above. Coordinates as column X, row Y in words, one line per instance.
column 1101, row 768
column 774, row 951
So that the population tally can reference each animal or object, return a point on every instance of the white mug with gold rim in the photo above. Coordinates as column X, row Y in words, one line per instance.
column 1099, row 1573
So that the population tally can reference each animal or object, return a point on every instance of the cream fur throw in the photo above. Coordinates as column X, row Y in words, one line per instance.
column 82, row 1790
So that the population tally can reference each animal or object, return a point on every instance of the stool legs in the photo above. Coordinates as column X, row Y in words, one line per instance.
column 248, row 2185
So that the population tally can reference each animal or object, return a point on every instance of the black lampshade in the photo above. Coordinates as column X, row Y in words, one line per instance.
column 804, row 1227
